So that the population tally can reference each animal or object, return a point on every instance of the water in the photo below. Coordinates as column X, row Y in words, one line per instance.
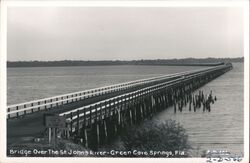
column 221, row 129
column 26, row 84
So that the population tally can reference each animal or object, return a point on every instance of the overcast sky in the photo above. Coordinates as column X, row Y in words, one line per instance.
column 106, row 33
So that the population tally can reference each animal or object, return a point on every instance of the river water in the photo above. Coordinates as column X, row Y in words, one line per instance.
column 26, row 84
column 221, row 129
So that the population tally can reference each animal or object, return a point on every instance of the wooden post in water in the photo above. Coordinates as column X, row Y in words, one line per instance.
column 86, row 137
column 152, row 102
column 105, row 130
column 96, row 114
column 205, row 104
column 190, row 103
column 49, row 134
column 130, row 116
column 135, row 114
column 78, row 125
column 141, row 112
column 98, row 134
column 174, row 106
column 71, row 122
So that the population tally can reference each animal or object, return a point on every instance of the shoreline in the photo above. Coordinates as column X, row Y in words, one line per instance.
column 155, row 62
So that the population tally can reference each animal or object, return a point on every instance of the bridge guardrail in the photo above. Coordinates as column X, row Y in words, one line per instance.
column 76, row 116
column 33, row 106
column 46, row 103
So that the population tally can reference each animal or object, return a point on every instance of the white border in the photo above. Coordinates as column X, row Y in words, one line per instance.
column 3, row 93
column 3, row 56
column 246, row 82
column 170, row 3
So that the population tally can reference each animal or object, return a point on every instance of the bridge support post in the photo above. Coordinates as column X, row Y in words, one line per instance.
column 105, row 131
column 98, row 134
column 174, row 106
column 107, row 122
column 130, row 116
column 141, row 111
column 49, row 134
column 135, row 114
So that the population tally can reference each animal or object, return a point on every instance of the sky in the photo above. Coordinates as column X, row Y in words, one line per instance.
column 123, row 33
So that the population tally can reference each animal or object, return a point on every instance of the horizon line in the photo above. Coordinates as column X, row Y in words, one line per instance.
column 113, row 60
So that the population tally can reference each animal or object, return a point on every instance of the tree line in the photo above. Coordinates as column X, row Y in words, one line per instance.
column 163, row 62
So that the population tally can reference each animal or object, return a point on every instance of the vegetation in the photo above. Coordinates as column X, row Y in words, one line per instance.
column 163, row 62
column 167, row 136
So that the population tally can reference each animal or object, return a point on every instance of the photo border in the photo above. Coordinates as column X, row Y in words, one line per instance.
column 3, row 70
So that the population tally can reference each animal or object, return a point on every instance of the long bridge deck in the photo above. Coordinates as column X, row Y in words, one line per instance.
column 102, row 111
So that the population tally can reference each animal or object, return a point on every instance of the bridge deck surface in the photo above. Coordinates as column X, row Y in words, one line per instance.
column 32, row 125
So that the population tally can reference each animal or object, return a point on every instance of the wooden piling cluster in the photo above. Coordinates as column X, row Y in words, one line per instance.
column 100, row 122
column 195, row 101
column 204, row 101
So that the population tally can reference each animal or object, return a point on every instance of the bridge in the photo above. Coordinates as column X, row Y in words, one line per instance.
column 95, row 116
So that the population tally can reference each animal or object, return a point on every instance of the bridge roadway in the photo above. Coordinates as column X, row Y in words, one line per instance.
column 27, row 122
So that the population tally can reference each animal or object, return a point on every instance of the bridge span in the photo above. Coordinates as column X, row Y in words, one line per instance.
column 93, row 117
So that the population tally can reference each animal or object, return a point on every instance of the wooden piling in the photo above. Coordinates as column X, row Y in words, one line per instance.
column 86, row 138
column 110, row 120
column 98, row 134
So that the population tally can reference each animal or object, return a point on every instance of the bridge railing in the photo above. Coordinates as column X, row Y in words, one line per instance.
column 47, row 103
column 83, row 114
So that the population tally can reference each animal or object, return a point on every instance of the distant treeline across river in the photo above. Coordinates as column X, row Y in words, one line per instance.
column 160, row 62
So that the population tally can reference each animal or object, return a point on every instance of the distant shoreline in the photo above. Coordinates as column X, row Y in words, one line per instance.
column 158, row 62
